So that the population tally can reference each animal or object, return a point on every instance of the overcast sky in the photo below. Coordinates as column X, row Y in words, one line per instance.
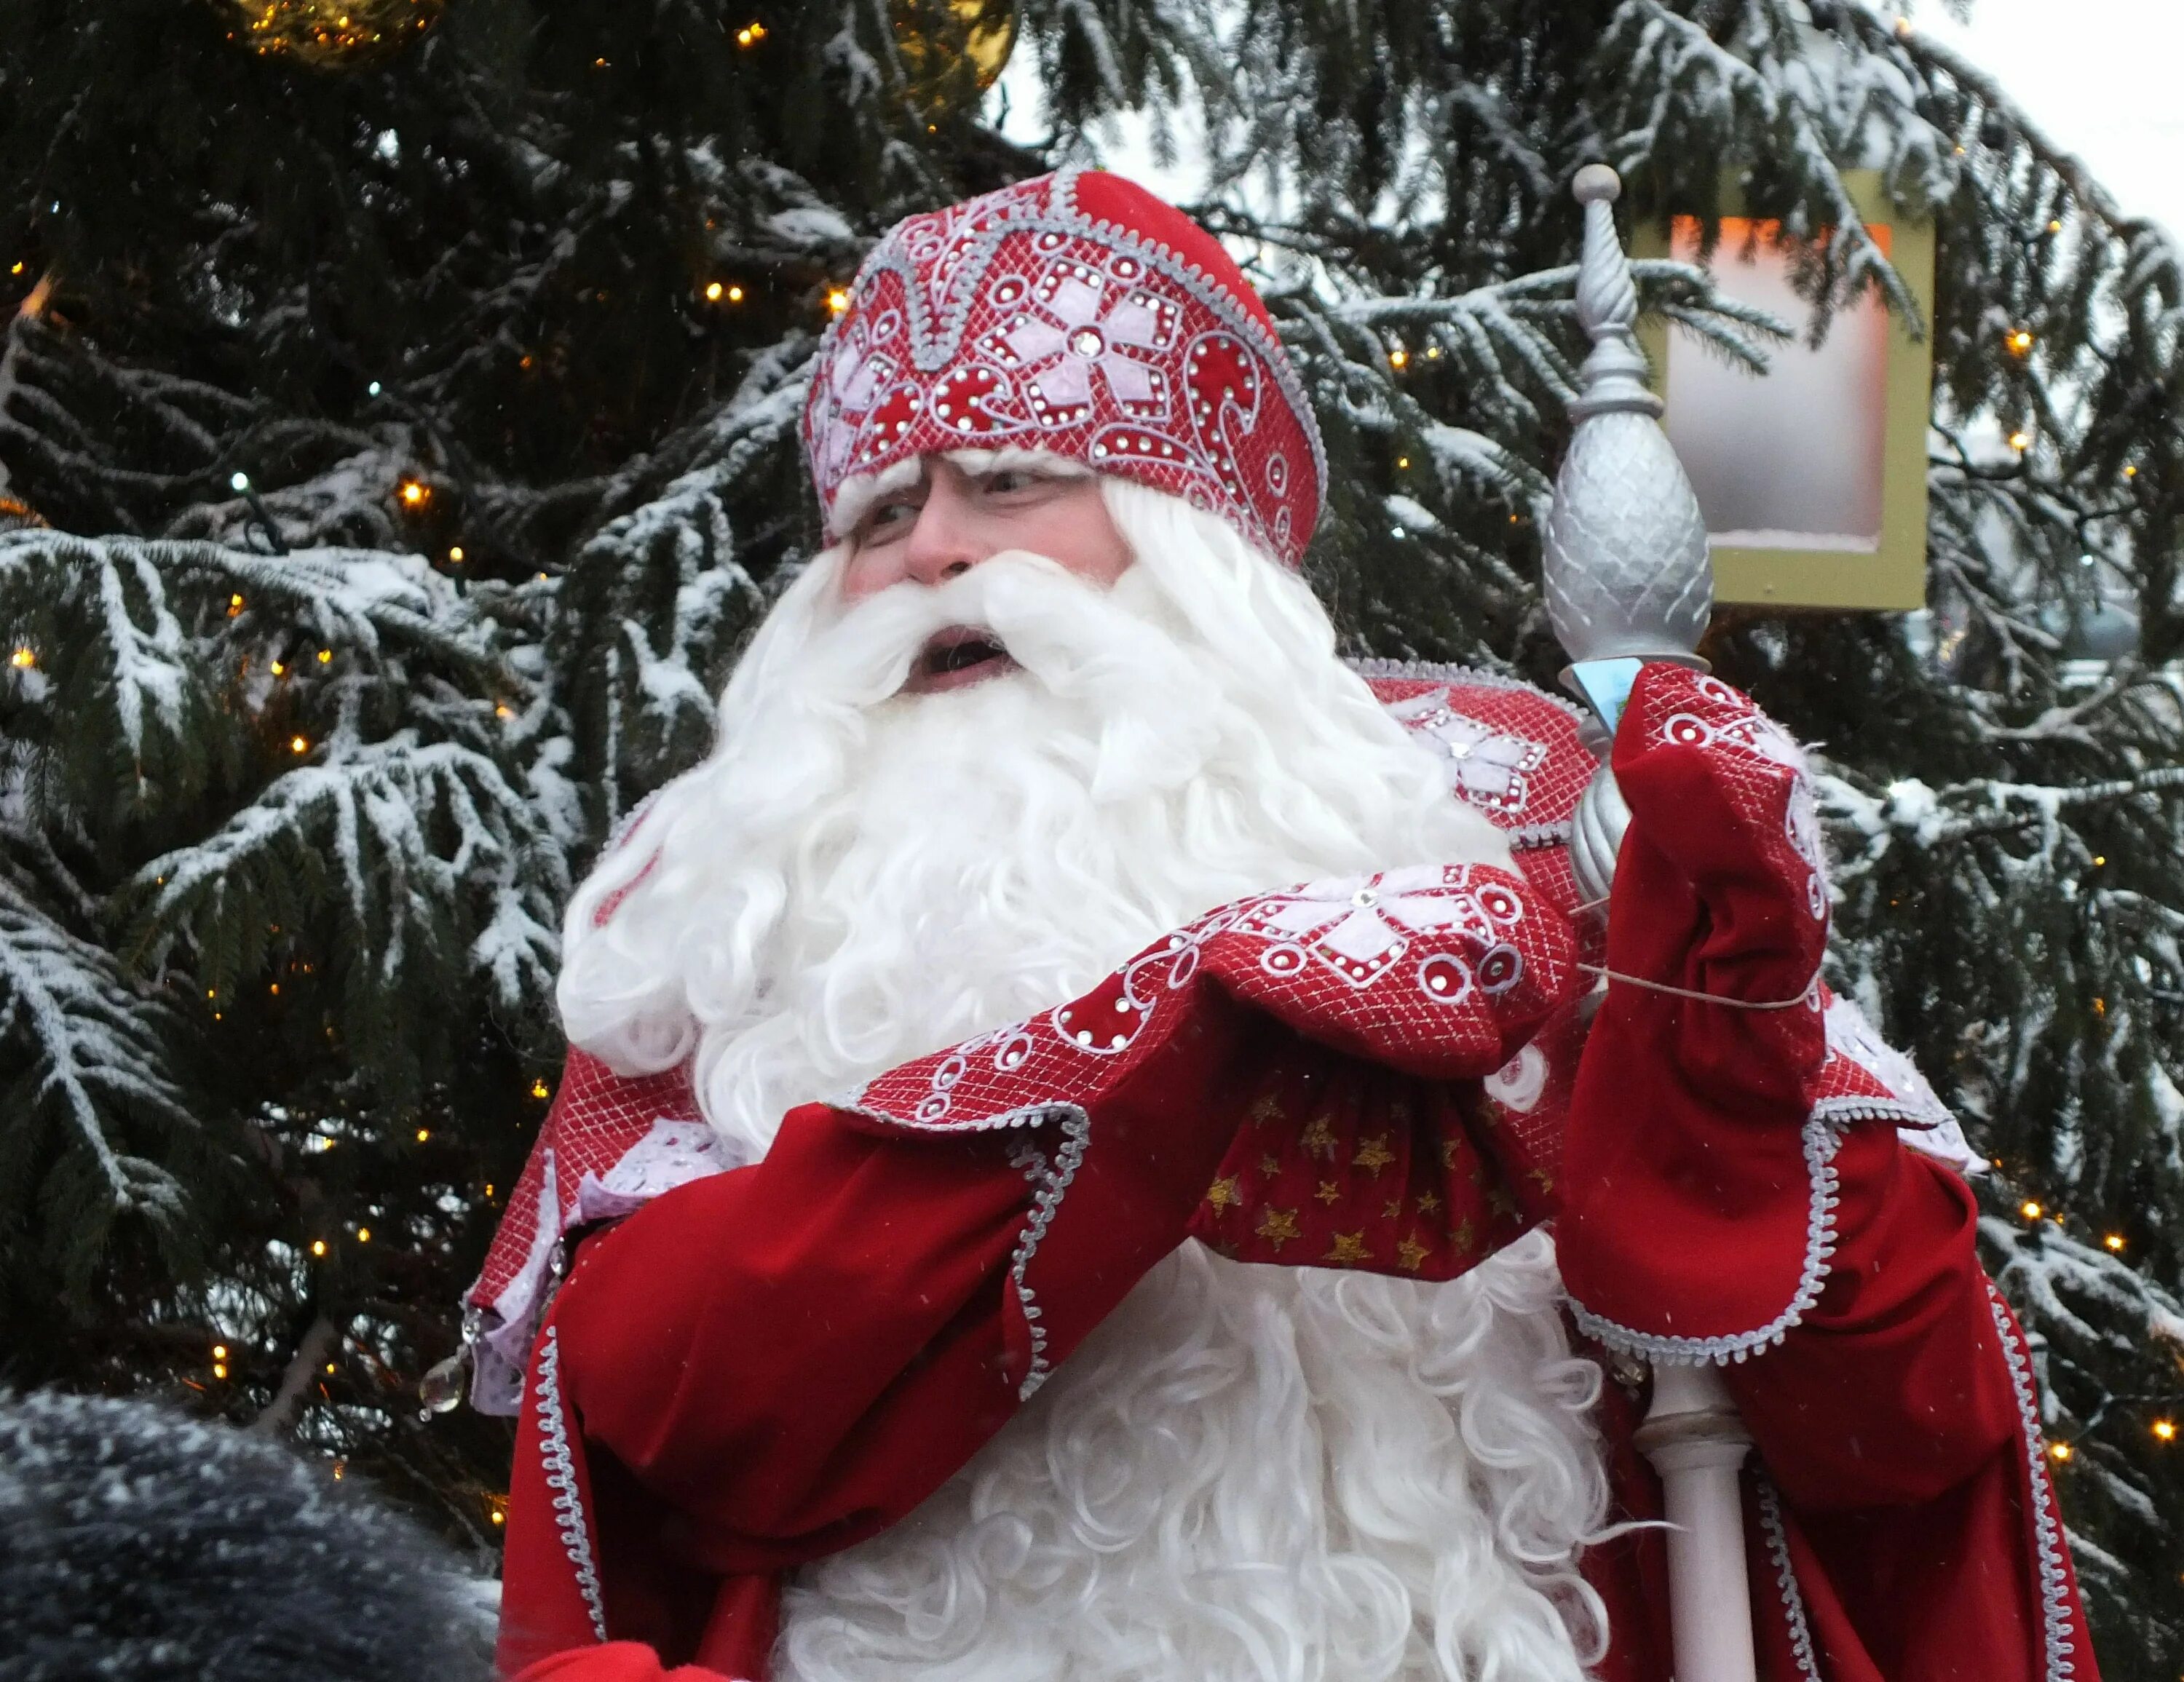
column 2103, row 78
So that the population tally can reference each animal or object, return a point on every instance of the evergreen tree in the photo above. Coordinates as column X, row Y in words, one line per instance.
column 505, row 329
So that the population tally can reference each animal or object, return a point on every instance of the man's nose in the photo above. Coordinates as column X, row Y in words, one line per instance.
column 943, row 542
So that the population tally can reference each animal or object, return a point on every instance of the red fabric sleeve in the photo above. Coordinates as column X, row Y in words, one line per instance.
column 1724, row 1207
column 767, row 1365
column 615, row 1662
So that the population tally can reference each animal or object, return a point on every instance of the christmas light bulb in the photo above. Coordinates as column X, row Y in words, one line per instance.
column 2020, row 342
column 325, row 656
column 2114, row 1241
column 22, row 660
column 2031, row 1212
column 364, row 1235
column 238, row 481
column 1398, row 357
column 2020, row 441
column 219, row 1351
column 455, row 555
column 279, row 670
column 538, row 1090
column 2058, row 1450
column 300, row 744
column 218, row 1370
column 423, row 1133
column 2165, row 1429
column 318, row 1246
column 837, row 300
column 414, row 493
column 735, row 294
column 713, row 292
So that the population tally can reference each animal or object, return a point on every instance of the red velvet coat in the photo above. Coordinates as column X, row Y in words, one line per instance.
column 761, row 1366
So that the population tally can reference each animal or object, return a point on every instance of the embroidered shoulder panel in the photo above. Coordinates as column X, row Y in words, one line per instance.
column 1509, row 749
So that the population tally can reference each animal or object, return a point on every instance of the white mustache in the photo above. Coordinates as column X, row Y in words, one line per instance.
column 1084, row 645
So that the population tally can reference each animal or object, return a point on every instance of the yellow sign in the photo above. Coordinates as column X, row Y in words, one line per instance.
column 1813, row 478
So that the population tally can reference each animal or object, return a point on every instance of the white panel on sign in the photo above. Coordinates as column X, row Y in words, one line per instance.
column 1792, row 460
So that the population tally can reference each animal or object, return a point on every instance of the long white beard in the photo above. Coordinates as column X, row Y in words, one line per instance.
column 1248, row 1472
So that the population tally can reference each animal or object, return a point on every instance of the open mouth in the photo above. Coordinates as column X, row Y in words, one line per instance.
column 959, row 655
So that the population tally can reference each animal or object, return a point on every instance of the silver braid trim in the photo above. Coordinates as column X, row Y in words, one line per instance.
column 561, row 1479
column 1821, row 1141
column 2059, row 1636
column 1785, row 1578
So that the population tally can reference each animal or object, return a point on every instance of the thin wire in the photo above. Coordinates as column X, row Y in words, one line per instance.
column 1704, row 997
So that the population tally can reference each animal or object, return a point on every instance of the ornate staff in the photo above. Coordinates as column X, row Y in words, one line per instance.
column 1627, row 579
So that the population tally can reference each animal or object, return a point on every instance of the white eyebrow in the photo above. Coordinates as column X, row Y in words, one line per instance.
column 856, row 496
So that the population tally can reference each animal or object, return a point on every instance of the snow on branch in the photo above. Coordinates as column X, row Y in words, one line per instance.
column 1911, row 811
column 92, row 1051
column 391, row 846
column 1759, row 77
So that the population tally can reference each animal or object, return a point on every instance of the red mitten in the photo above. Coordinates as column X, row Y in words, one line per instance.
column 1699, row 1185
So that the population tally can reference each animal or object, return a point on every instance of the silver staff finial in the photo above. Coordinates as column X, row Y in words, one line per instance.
column 1626, row 573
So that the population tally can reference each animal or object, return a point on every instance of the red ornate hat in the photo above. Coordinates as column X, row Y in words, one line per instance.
column 1078, row 316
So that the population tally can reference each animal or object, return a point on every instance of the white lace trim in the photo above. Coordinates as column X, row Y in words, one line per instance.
column 1049, row 1179
column 2055, row 1619
column 561, row 1478
column 1821, row 1141
column 1785, row 1578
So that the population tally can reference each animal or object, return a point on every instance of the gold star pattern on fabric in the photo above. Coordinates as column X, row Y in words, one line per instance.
column 1328, row 1192
column 1545, row 1179
column 1374, row 1155
column 1223, row 1194
column 1428, row 1203
column 1277, row 1227
column 1270, row 1166
column 1392, row 1208
column 1463, row 1237
column 1266, row 1108
column 1448, row 1153
column 1347, row 1247
column 1412, row 1254
column 1503, row 1202
column 1319, row 1138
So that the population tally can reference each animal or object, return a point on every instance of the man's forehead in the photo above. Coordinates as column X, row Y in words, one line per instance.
column 857, row 495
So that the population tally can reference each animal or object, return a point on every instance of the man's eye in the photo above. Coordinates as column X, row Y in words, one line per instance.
column 1010, row 479
column 889, row 514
